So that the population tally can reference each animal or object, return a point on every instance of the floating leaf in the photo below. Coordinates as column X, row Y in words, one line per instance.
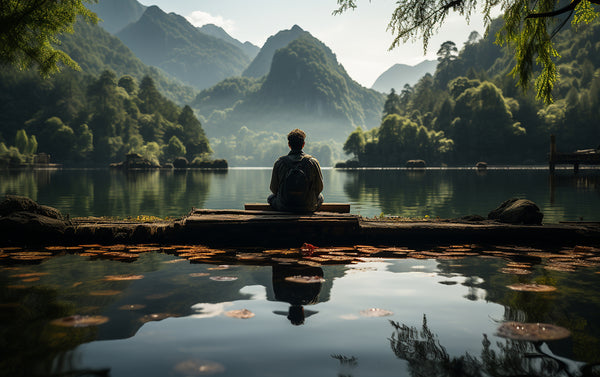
column 132, row 307
column 534, row 332
column 123, row 277
column 199, row 274
column 241, row 314
column 80, row 321
column 156, row 317
column 375, row 312
column 515, row 271
column 305, row 279
column 194, row 367
column 223, row 278
column 532, row 287
column 106, row 292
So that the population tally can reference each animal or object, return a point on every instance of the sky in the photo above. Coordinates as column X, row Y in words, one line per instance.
column 359, row 38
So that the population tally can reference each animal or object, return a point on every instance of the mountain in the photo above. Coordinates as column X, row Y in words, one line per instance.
column 218, row 32
column 96, row 50
column 400, row 74
column 116, row 14
column 305, row 88
column 170, row 42
column 262, row 62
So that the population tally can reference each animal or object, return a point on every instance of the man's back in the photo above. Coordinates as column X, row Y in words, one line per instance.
column 296, row 183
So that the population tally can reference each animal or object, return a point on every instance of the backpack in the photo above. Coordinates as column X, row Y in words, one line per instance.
column 295, row 187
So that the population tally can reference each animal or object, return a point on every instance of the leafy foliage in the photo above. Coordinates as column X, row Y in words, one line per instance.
column 529, row 28
column 84, row 119
column 29, row 30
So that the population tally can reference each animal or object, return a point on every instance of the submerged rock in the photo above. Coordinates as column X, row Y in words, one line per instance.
column 517, row 211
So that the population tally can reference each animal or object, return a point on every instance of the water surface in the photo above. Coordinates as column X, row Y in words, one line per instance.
column 445, row 193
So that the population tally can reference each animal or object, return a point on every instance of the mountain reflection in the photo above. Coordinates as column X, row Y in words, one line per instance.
column 426, row 356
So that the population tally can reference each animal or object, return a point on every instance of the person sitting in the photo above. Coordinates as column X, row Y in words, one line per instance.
column 296, row 181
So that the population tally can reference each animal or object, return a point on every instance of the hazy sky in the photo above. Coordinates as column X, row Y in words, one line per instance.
column 358, row 38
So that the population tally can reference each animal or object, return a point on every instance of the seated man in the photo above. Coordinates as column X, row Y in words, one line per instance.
column 296, row 182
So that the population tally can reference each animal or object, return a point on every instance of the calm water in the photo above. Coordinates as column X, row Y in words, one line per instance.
column 441, row 319
column 446, row 193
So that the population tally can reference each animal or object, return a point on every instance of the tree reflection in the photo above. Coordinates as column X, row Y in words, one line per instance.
column 427, row 357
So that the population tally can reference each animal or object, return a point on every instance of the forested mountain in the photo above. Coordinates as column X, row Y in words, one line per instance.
column 218, row 32
column 116, row 14
column 261, row 64
column 305, row 87
column 471, row 110
column 399, row 75
column 170, row 42
column 96, row 50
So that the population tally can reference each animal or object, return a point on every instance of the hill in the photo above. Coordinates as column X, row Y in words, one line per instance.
column 261, row 64
column 96, row 50
column 116, row 14
column 400, row 74
column 249, row 49
column 170, row 42
column 305, row 88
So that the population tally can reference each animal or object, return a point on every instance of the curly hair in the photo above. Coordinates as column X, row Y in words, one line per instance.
column 296, row 139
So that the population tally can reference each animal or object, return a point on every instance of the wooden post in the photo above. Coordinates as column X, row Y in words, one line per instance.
column 552, row 160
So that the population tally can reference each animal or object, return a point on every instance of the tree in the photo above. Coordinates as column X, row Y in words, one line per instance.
column 447, row 52
column 355, row 144
column 392, row 104
column 29, row 31
column 528, row 29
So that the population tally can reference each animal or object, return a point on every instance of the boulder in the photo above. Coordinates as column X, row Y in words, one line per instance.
column 481, row 165
column 517, row 211
column 24, row 221
column 180, row 163
column 416, row 164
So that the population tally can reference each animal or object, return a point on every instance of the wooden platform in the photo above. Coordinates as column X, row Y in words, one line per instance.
column 325, row 207
column 582, row 157
column 243, row 227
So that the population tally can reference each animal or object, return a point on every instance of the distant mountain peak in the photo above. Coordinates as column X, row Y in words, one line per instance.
column 399, row 75
column 261, row 64
column 218, row 32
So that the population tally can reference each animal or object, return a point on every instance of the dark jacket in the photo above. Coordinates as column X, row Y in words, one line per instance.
column 315, row 176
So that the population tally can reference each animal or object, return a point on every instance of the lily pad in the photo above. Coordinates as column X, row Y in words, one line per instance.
column 194, row 367
column 533, row 332
column 375, row 312
column 132, row 307
column 107, row 292
column 156, row 317
column 241, row 314
column 305, row 279
column 198, row 274
column 80, row 321
column 532, row 287
column 223, row 278
column 123, row 277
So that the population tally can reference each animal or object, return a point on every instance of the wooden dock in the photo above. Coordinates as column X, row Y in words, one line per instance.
column 582, row 157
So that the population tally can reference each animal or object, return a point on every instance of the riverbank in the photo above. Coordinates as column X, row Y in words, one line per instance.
column 240, row 228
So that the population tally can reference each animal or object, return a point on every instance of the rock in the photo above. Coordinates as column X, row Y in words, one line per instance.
column 180, row 163
column 517, row 211
column 481, row 165
column 23, row 220
column 473, row 218
column 416, row 164
column 14, row 203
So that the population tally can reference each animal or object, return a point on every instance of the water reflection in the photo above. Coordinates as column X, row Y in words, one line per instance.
column 296, row 294
column 426, row 356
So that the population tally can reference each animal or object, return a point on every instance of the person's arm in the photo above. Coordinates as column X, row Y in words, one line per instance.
column 274, row 186
column 318, row 176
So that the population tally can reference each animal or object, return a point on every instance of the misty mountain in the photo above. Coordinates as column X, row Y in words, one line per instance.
column 116, row 14
column 170, row 42
column 96, row 50
column 401, row 74
column 262, row 62
column 305, row 88
column 218, row 32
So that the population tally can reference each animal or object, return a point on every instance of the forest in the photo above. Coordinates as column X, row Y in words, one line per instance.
column 471, row 109
column 83, row 120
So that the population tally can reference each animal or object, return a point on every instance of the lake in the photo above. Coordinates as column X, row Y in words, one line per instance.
column 79, row 315
column 441, row 310
column 444, row 193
